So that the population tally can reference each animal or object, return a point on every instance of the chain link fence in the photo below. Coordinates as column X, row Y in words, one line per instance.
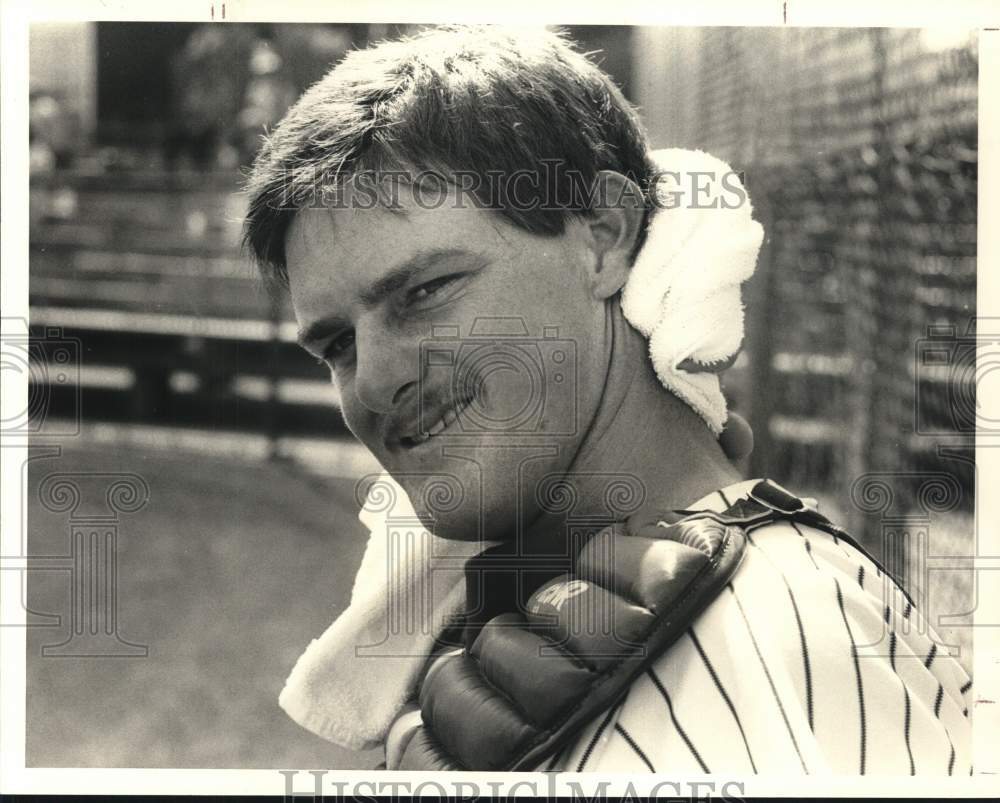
column 858, row 148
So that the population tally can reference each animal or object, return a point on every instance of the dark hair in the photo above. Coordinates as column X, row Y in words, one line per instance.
column 476, row 99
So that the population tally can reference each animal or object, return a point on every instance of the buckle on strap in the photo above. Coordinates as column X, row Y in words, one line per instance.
column 771, row 495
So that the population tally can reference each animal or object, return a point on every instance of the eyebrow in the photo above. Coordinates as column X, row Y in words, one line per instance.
column 382, row 288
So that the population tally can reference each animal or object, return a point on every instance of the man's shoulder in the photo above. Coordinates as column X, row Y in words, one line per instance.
column 788, row 535
column 806, row 646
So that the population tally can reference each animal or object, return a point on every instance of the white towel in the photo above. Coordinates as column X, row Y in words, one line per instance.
column 683, row 292
column 351, row 682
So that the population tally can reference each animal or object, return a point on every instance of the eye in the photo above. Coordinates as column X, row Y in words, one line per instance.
column 338, row 346
column 431, row 288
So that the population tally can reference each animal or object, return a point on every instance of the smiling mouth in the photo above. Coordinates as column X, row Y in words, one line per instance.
column 449, row 417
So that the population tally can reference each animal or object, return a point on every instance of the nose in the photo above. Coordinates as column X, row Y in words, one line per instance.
column 386, row 366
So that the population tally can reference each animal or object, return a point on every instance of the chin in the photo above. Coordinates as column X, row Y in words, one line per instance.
column 449, row 502
column 470, row 492
column 457, row 526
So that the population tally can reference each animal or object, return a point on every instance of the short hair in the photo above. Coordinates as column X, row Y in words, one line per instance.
column 472, row 99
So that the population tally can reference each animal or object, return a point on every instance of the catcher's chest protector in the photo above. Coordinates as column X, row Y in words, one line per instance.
column 533, row 673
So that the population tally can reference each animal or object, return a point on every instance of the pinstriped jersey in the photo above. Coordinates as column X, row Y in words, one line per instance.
column 810, row 661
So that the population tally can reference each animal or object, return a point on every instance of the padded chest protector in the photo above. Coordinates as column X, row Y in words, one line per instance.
column 528, row 680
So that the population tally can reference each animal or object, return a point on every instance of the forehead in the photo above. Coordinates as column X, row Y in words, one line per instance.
column 334, row 253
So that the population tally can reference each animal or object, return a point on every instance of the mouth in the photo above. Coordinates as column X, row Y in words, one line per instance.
column 443, row 422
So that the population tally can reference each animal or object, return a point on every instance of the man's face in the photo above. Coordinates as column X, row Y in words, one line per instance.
column 470, row 355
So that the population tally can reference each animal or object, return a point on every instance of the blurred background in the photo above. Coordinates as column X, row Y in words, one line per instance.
column 155, row 351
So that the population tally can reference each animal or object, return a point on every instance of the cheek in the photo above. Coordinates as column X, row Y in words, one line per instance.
column 357, row 417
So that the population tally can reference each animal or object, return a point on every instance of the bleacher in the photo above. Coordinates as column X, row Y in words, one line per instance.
column 145, row 272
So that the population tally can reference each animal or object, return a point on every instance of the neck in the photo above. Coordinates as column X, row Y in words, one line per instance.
column 642, row 438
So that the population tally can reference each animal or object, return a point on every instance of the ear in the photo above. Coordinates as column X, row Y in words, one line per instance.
column 611, row 231
column 736, row 439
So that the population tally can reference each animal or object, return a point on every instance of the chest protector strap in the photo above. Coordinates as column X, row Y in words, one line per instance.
column 530, row 678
